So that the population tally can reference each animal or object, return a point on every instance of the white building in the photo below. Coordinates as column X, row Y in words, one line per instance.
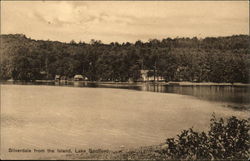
column 150, row 77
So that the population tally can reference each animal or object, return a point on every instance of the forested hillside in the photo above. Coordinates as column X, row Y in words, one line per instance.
column 212, row 59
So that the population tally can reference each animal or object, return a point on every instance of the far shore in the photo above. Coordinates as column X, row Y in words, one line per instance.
column 171, row 83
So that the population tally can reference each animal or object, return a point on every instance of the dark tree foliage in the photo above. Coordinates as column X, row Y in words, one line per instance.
column 212, row 59
column 228, row 140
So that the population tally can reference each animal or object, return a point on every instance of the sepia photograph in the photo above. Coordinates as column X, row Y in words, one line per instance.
column 124, row 80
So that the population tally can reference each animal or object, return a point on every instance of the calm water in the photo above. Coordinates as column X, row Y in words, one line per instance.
column 55, row 117
column 218, row 93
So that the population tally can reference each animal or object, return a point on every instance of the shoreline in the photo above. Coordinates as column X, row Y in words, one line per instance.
column 139, row 153
column 171, row 83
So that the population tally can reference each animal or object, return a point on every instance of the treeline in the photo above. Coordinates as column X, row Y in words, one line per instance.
column 212, row 59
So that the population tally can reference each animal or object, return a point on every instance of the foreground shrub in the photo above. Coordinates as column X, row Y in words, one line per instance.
column 225, row 140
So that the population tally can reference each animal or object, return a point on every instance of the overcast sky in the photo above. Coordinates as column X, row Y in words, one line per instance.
column 124, row 20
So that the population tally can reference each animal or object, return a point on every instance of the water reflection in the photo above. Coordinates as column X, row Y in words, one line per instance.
column 232, row 94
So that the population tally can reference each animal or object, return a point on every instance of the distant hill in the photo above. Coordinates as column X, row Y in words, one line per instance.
column 215, row 59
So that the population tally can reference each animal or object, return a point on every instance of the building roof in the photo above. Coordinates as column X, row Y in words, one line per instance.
column 78, row 76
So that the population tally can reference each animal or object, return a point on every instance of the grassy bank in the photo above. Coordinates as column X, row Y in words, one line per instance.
column 142, row 153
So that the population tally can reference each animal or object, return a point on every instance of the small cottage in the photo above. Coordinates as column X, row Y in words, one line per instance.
column 57, row 77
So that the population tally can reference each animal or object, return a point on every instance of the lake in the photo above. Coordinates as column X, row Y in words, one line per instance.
column 107, row 116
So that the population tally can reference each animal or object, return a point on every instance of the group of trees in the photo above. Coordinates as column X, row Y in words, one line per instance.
column 221, row 59
column 227, row 139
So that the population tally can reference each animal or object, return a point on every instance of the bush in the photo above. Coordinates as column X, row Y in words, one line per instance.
column 225, row 140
